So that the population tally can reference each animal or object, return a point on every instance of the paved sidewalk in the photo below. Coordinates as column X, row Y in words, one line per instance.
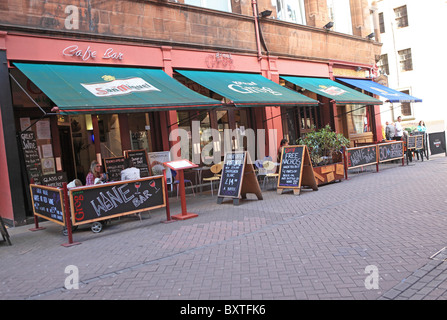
column 367, row 238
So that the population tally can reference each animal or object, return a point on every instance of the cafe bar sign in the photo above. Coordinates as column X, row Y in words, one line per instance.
column 89, row 53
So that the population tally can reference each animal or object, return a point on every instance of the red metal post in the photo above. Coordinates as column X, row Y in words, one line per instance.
column 67, row 218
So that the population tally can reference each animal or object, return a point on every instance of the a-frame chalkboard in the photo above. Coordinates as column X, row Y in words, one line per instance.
column 295, row 170
column 238, row 178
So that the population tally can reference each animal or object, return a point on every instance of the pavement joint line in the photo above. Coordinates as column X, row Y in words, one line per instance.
column 154, row 261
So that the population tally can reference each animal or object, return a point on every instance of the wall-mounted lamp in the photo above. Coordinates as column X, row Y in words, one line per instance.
column 358, row 69
column 371, row 35
column 328, row 25
column 265, row 14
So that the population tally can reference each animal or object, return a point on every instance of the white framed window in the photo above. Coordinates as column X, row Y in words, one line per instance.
column 290, row 10
column 221, row 5
column 340, row 15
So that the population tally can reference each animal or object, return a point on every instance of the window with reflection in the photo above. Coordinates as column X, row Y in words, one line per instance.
column 291, row 11
column 222, row 5
column 340, row 14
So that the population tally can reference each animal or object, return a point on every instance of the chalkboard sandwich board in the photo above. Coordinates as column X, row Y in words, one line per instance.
column 238, row 178
column 48, row 203
column 411, row 142
column 361, row 156
column 110, row 200
column 419, row 142
column 295, row 170
column 138, row 159
column 113, row 167
column 391, row 151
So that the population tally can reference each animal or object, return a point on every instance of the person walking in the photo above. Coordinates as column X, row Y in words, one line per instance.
column 389, row 131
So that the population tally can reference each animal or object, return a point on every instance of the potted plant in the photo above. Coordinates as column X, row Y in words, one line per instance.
column 325, row 148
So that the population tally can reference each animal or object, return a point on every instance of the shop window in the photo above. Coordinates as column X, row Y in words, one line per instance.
column 221, row 5
column 340, row 14
column 359, row 119
column 291, row 11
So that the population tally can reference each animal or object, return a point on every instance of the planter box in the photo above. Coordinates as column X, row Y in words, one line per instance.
column 329, row 173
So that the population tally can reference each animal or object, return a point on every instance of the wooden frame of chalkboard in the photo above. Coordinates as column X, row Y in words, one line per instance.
column 411, row 142
column 388, row 151
column 47, row 207
column 112, row 173
column 419, row 142
column 105, row 199
column 224, row 190
column 361, row 159
column 238, row 178
column 298, row 168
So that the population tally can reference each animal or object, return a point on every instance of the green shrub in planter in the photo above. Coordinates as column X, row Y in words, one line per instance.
column 324, row 145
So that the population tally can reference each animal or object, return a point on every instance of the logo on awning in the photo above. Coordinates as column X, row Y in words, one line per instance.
column 332, row 90
column 251, row 87
column 118, row 87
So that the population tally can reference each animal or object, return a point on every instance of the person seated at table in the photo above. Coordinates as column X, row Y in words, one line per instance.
column 94, row 173
column 75, row 183
column 283, row 143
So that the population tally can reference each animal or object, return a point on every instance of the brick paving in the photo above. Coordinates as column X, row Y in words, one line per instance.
column 311, row 247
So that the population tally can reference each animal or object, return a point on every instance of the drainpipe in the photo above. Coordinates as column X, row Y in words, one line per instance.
column 258, row 37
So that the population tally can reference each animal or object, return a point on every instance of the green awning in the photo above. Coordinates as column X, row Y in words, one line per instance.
column 103, row 89
column 247, row 89
column 339, row 93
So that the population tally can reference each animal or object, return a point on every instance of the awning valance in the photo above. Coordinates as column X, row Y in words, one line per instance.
column 390, row 94
column 332, row 90
column 103, row 89
column 247, row 89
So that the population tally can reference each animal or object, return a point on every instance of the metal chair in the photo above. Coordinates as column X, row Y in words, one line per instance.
column 270, row 168
column 216, row 169
column 177, row 182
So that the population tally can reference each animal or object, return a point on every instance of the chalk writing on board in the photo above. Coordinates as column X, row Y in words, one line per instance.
column 106, row 200
column 390, row 151
column 290, row 170
column 363, row 156
column 47, row 203
column 232, row 174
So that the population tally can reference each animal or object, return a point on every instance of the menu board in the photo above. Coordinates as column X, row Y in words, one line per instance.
column 391, row 151
column 48, row 203
column 138, row 159
column 54, row 180
column 109, row 200
column 411, row 142
column 31, row 154
column 113, row 167
column 232, row 174
column 361, row 156
column 290, row 167
column 419, row 142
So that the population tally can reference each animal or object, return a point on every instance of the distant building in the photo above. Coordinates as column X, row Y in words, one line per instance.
column 413, row 59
